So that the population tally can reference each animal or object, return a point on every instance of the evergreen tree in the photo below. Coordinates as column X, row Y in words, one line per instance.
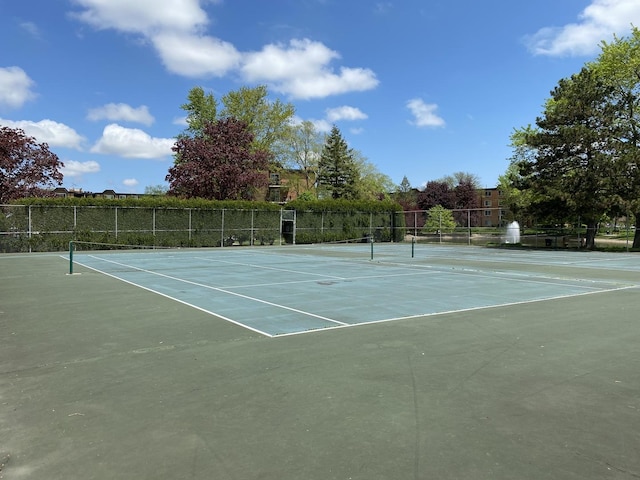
column 338, row 173
column 572, row 169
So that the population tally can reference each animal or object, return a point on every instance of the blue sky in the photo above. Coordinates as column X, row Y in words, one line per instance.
column 423, row 88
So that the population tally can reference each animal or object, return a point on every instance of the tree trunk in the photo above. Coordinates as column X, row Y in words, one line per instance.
column 636, row 236
column 590, row 237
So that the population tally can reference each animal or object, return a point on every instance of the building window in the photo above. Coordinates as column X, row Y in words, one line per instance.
column 274, row 179
column 487, row 213
column 487, row 193
column 487, row 203
column 274, row 195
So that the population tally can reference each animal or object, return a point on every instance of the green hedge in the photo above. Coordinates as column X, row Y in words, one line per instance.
column 168, row 221
column 341, row 220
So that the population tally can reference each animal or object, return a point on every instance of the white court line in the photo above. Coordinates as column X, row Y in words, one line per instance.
column 530, row 278
column 270, row 268
column 177, row 300
column 254, row 299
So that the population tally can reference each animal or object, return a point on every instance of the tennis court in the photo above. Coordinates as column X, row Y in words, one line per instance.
column 301, row 289
column 361, row 361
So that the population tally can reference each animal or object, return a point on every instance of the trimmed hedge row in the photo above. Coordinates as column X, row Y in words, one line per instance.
column 50, row 224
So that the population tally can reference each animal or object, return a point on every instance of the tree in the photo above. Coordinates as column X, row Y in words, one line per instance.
column 517, row 196
column 436, row 192
column 268, row 121
column 371, row 184
column 337, row 171
column 27, row 168
column 465, row 197
column 304, row 147
column 219, row 165
column 618, row 66
column 572, row 168
column 439, row 220
column 201, row 109
column 156, row 190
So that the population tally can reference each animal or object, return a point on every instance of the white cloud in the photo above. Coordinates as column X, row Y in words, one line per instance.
column 31, row 28
column 181, row 121
column 302, row 70
column 424, row 113
column 15, row 87
column 195, row 55
column 130, row 182
column 132, row 143
column 176, row 29
column 345, row 113
column 47, row 131
column 322, row 126
column 598, row 21
column 142, row 16
column 123, row 112
column 76, row 169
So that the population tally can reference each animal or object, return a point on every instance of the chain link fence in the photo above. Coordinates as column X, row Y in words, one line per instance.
column 40, row 228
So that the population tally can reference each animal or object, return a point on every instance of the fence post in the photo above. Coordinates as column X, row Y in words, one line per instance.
column 251, row 238
column 222, row 229
column 29, row 228
column 116, row 222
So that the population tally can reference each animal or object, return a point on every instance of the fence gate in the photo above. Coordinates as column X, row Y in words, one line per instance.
column 289, row 226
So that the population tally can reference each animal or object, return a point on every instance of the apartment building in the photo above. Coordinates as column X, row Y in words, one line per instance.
column 493, row 207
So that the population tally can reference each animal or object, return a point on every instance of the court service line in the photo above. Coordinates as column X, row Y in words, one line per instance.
column 218, row 289
column 270, row 268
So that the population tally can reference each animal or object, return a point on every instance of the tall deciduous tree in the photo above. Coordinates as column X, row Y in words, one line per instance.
column 337, row 171
column 267, row 120
column 618, row 66
column 27, row 168
column 436, row 192
column 304, row 144
column 201, row 109
column 219, row 165
column 371, row 184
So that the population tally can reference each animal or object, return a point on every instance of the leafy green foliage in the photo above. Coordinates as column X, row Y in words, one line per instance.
column 439, row 219
column 340, row 220
column 168, row 221
column 572, row 168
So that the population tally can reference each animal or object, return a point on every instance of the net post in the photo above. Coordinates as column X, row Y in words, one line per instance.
column 371, row 241
column 71, row 257
column 413, row 243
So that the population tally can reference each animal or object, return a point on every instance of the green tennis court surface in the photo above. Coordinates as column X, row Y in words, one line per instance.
column 320, row 363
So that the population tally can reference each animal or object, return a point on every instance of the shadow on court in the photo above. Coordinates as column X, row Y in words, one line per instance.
column 102, row 380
